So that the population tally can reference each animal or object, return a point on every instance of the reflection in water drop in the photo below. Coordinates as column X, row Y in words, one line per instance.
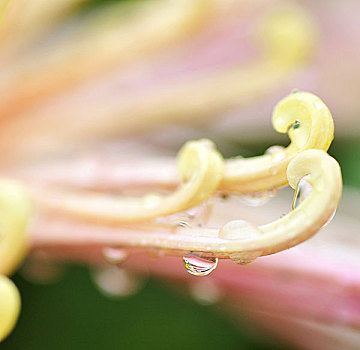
column 295, row 125
column 116, row 282
column 199, row 266
column 114, row 255
column 257, row 199
column 303, row 189
column 205, row 291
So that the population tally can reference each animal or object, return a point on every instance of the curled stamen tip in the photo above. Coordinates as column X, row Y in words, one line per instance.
column 9, row 306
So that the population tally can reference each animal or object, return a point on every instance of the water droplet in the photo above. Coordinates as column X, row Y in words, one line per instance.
column 257, row 199
column 241, row 230
column 116, row 282
column 198, row 266
column 332, row 216
column 296, row 125
column 244, row 258
column 273, row 149
column 205, row 291
column 41, row 271
column 114, row 255
column 303, row 189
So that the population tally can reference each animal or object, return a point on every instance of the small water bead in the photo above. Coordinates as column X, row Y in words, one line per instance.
column 257, row 199
column 302, row 191
column 241, row 230
column 244, row 258
column 41, row 270
column 205, row 291
column 295, row 125
column 273, row 149
column 114, row 255
column 116, row 282
column 332, row 216
column 198, row 266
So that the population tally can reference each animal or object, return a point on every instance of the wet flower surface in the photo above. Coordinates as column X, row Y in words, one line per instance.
column 96, row 99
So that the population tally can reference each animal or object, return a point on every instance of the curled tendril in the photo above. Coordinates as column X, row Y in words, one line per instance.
column 239, row 240
column 14, row 216
column 309, row 124
column 201, row 170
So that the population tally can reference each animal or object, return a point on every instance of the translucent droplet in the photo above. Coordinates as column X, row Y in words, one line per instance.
column 244, row 258
column 196, row 216
column 332, row 216
column 114, row 255
column 241, row 230
column 273, row 149
column 205, row 291
column 296, row 124
column 116, row 282
column 303, row 189
column 257, row 199
column 41, row 271
column 198, row 266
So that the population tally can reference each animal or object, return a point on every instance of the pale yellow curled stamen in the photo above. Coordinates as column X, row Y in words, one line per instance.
column 14, row 216
column 201, row 169
column 239, row 240
column 309, row 124
column 10, row 304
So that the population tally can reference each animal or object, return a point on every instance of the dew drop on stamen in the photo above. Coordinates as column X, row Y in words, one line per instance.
column 114, row 255
column 241, row 230
column 332, row 216
column 302, row 191
column 198, row 266
column 273, row 149
column 257, row 199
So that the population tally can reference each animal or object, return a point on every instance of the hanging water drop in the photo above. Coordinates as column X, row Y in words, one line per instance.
column 116, row 282
column 303, row 189
column 205, row 291
column 198, row 266
column 114, row 255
